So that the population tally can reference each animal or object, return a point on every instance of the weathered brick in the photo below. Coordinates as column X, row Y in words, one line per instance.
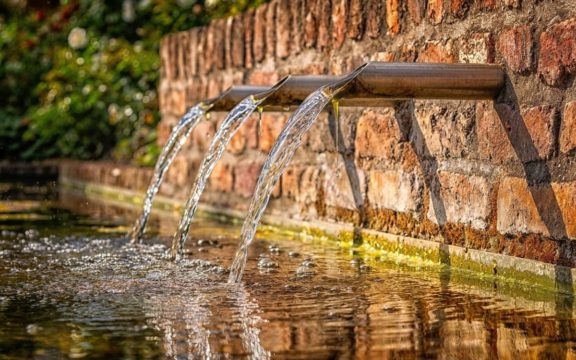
column 173, row 102
column 442, row 132
column 165, row 128
column 568, row 128
column 375, row 12
column 512, row 3
column 222, row 177
column 271, row 126
column 193, row 51
column 487, row 4
column 459, row 8
column 270, row 34
column 202, row 135
column 165, row 59
column 515, row 45
column 259, row 42
column 324, row 24
column 263, row 77
column 297, row 16
column 477, row 48
column 395, row 190
column 461, row 199
column 310, row 24
column 437, row 52
column 436, row 11
column 546, row 209
column 248, row 19
column 229, row 34
column 246, row 175
column 356, row 19
column 339, row 22
column 339, row 191
column 237, row 45
column 283, row 29
column 308, row 185
column 557, row 56
column 290, row 180
column 393, row 16
column 378, row 135
column 493, row 140
column 416, row 9
column 183, row 55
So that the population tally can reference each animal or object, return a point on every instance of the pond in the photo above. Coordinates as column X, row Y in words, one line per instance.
column 71, row 286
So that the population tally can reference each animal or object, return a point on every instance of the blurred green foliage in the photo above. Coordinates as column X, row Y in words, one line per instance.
column 79, row 79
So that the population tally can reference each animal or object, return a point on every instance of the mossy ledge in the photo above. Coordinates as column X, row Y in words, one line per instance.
column 506, row 271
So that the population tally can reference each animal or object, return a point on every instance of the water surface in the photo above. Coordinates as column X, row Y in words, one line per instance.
column 72, row 286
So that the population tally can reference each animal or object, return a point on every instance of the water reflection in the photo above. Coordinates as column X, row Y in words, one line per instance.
column 86, row 292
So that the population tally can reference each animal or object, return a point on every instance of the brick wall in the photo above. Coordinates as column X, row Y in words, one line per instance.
column 499, row 177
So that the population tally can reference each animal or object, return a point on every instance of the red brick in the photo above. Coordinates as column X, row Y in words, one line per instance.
column 443, row 132
column 310, row 24
column 437, row 52
column 229, row 33
column 568, row 128
column 297, row 16
column 395, row 190
column 512, row 3
column 271, row 126
column 356, row 19
column 477, row 48
column 259, row 44
column 165, row 59
column 436, row 11
column 416, row 9
column 324, row 24
column 375, row 12
column 487, row 4
column 201, row 49
column 493, row 142
column 183, row 54
column 308, row 185
column 283, row 29
column 173, row 102
column 222, row 177
column 462, row 199
column 378, row 135
column 393, row 16
column 246, row 136
column 515, row 45
column 193, row 52
column 546, row 209
column 459, row 8
column 246, row 175
column 339, row 22
column 214, row 51
column 237, row 45
column 557, row 56
column 270, row 34
column 263, row 77
column 165, row 128
column 248, row 19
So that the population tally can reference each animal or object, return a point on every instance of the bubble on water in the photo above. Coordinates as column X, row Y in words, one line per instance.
column 33, row 329
column 31, row 234
column 308, row 263
column 275, row 249
column 267, row 263
column 304, row 271
column 294, row 254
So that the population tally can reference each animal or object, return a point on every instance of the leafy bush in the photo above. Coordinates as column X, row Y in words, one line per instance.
column 79, row 79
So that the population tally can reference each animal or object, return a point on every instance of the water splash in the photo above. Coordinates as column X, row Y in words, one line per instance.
column 175, row 142
column 282, row 152
column 225, row 132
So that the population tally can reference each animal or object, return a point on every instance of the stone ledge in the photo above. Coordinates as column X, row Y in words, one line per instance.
column 504, row 269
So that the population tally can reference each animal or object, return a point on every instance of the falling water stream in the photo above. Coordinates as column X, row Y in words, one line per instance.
column 282, row 152
column 175, row 142
column 225, row 132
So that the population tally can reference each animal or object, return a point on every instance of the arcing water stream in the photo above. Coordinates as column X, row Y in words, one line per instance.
column 282, row 152
column 175, row 142
column 225, row 132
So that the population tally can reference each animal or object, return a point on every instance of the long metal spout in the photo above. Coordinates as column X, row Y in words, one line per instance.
column 380, row 84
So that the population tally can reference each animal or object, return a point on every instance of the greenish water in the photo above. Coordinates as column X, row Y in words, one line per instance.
column 72, row 286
